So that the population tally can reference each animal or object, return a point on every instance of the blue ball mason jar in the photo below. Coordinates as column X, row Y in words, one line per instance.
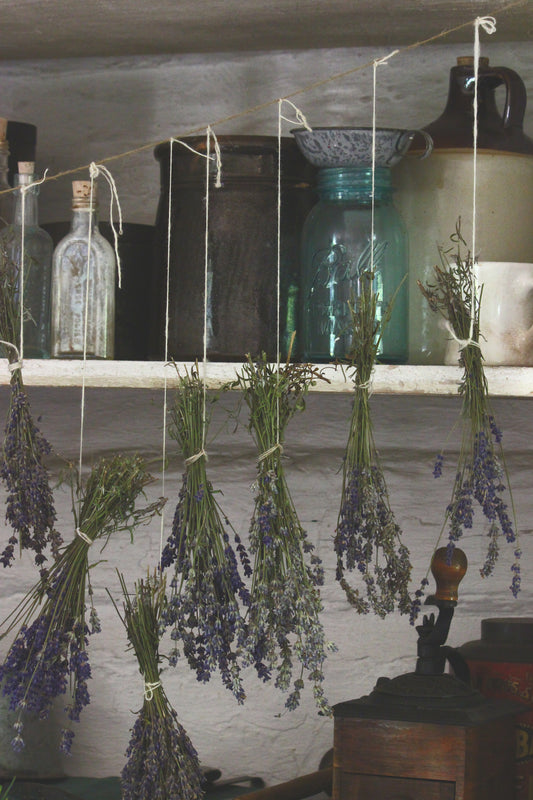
column 336, row 249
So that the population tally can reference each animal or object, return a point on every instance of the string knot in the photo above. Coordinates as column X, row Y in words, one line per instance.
column 270, row 451
column 149, row 689
column 13, row 365
column 379, row 61
column 196, row 457
column 83, row 536
column 487, row 23
column 300, row 116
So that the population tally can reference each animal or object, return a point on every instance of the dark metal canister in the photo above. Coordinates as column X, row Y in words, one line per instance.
column 501, row 666
column 242, row 247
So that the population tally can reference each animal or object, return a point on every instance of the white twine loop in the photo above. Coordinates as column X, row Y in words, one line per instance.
column 216, row 157
column 196, row 457
column 300, row 116
column 270, row 451
column 13, row 365
column 365, row 385
column 384, row 59
column 83, row 536
column 461, row 343
column 94, row 171
column 149, row 689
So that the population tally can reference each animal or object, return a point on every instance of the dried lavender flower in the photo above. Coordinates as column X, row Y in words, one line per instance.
column 368, row 538
column 161, row 760
column 285, row 635
column 49, row 654
column 206, row 590
column 30, row 509
column 480, row 476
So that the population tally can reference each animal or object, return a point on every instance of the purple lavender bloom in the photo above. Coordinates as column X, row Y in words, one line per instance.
column 203, row 609
column 366, row 535
column 30, row 507
column 162, row 762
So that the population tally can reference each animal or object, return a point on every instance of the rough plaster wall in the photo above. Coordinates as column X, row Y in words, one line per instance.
column 89, row 110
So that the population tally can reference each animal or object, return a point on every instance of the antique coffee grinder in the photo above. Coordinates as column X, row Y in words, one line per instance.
column 427, row 735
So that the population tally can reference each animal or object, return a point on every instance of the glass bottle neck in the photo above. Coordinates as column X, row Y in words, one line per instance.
column 31, row 214
column 84, row 218
column 355, row 184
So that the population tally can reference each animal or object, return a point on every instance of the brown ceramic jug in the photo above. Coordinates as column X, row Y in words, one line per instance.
column 433, row 194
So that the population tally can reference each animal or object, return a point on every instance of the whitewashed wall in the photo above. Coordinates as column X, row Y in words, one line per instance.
column 89, row 110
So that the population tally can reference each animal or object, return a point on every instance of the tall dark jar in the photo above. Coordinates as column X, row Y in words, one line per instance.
column 242, row 303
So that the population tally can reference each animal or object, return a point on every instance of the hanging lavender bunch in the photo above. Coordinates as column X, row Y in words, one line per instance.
column 206, row 591
column 30, row 509
column 162, row 762
column 49, row 654
column 368, row 538
column 480, row 475
column 285, row 634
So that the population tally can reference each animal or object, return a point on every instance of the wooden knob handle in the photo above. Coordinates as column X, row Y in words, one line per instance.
column 448, row 572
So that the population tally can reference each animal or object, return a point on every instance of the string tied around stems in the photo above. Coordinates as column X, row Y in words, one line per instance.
column 149, row 689
column 83, row 536
column 270, row 451
column 196, row 457
column 18, row 363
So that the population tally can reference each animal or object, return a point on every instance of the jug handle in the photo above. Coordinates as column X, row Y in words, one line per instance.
column 515, row 95
column 410, row 135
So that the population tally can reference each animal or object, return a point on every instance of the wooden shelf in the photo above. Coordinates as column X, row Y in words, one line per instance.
column 403, row 379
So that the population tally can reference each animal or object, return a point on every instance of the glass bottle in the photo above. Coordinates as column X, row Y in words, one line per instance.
column 336, row 248
column 83, row 280
column 6, row 200
column 30, row 249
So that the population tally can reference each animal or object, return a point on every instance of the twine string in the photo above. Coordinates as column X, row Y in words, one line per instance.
column 99, row 169
column 271, row 451
column 83, row 536
column 488, row 24
column 149, row 689
column 13, row 365
column 23, row 191
column 300, row 116
column 217, row 160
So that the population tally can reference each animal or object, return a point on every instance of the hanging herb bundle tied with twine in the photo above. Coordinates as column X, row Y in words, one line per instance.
column 206, row 590
column 368, row 538
column 481, row 475
column 48, row 657
column 285, row 635
column 30, row 509
column 161, row 759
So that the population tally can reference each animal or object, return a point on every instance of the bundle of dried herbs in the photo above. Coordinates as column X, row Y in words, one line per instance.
column 206, row 590
column 368, row 538
column 48, row 657
column 480, row 475
column 162, row 762
column 285, row 635
column 30, row 509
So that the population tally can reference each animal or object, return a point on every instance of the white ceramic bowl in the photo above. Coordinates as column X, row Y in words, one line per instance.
column 352, row 147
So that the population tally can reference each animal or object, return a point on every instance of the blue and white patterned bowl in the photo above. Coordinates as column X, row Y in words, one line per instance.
column 352, row 147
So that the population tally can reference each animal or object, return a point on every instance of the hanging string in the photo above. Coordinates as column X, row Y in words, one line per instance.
column 23, row 191
column 377, row 63
column 489, row 26
column 300, row 116
column 216, row 158
column 99, row 169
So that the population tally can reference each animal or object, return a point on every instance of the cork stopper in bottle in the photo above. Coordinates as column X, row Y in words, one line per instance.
column 26, row 167
column 81, row 190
